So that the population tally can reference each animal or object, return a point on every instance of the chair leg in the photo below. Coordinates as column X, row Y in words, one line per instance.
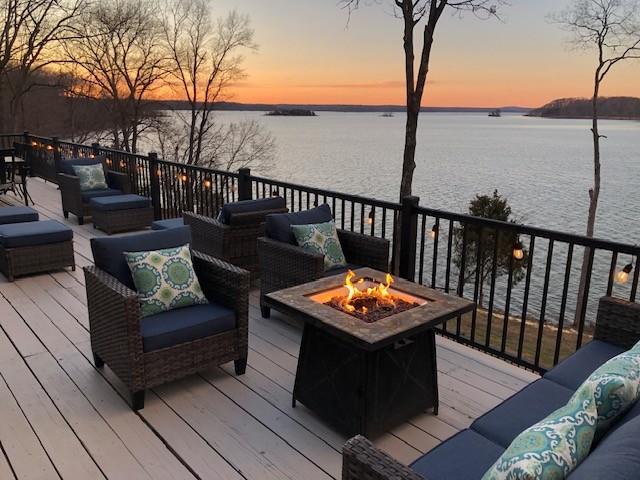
column 98, row 361
column 241, row 365
column 80, row 220
column 265, row 311
column 66, row 214
column 137, row 400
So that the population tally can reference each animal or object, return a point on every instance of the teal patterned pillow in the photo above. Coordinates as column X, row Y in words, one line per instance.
column 554, row 447
column 165, row 279
column 321, row 238
column 91, row 177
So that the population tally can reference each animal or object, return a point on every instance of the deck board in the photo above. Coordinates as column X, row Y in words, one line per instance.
column 61, row 417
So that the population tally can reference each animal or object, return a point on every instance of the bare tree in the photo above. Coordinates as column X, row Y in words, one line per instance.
column 30, row 35
column 123, row 62
column 205, row 60
column 611, row 28
column 412, row 13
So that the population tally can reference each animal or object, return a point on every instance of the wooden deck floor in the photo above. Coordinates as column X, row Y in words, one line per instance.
column 62, row 418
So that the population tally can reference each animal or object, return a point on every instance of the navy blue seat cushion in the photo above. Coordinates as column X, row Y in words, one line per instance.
column 109, row 192
column 341, row 270
column 108, row 251
column 17, row 215
column 616, row 457
column 119, row 202
column 174, row 327
column 34, row 233
column 66, row 166
column 527, row 407
column 249, row 206
column 576, row 369
column 465, row 456
column 169, row 223
column 278, row 225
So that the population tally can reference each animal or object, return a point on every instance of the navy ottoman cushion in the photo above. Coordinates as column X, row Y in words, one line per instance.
column 17, row 215
column 108, row 251
column 617, row 456
column 278, row 225
column 576, row 369
column 169, row 223
column 89, row 194
column 527, row 407
column 119, row 202
column 34, row 233
column 465, row 456
column 171, row 328
column 249, row 206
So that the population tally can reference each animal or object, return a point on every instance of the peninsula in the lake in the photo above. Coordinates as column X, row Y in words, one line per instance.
column 614, row 108
column 291, row 112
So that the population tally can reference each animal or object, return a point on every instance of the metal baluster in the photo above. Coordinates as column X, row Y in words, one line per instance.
column 585, row 299
column 563, row 304
column 525, row 301
column 423, row 240
column 543, row 308
column 612, row 272
column 507, row 305
column 434, row 265
column 492, row 291
column 477, row 283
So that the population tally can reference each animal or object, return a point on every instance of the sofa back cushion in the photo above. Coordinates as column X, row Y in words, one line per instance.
column 230, row 210
column 108, row 252
column 66, row 166
column 617, row 456
column 278, row 225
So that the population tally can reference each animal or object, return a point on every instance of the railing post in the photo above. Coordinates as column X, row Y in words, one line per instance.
column 155, row 185
column 26, row 140
column 244, row 184
column 28, row 152
column 57, row 157
column 95, row 147
column 408, row 238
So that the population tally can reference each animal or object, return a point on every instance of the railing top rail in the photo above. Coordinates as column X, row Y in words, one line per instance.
column 535, row 231
column 329, row 193
column 199, row 168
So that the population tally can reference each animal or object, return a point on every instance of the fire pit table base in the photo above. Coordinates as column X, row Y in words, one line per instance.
column 366, row 392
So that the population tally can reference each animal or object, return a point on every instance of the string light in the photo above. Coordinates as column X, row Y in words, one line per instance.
column 34, row 144
column 183, row 177
column 49, row 147
column 370, row 219
column 622, row 276
column 91, row 155
column 518, row 251
column 434, row 232
column 109, row 162
column 207, row 184
column 123, row 164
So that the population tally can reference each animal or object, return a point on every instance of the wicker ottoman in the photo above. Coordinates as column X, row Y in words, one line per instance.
column 121, row 213
column 17, row 215
column 35, row 247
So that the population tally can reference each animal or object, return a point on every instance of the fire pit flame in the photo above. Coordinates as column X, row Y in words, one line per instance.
column 371, row 303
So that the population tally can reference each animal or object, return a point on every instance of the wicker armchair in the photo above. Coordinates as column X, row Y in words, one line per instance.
column 617, row 322
column 116, row 339
column 72, row 197
column 234, row 242
column 283, row 265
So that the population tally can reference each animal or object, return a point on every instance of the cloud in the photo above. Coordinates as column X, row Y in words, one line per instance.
column 386, row 84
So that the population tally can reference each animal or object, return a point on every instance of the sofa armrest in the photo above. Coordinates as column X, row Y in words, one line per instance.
column 224, row 283
column 365, row 250
column 119, row 181
column 114, row 320
column 618, row 322
column 361, row 460
column 283, row 265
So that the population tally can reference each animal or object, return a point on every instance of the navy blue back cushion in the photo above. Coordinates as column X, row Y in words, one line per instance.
column 278, row 225
column 66, row 166
column 247, row 206
column 108, row 251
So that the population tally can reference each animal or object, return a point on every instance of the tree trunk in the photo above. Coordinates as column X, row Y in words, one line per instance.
column 594, row 195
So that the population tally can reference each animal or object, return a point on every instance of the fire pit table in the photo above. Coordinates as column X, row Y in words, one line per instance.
column 368, row 355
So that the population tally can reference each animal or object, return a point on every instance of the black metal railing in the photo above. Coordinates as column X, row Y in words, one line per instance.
column 524, row 279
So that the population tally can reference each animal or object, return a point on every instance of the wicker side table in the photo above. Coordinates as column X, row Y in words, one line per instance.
column 121, row 213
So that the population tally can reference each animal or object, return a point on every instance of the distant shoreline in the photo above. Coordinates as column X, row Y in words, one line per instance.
column 585, row 117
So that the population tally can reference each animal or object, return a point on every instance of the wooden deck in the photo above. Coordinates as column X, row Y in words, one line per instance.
column 62, row 418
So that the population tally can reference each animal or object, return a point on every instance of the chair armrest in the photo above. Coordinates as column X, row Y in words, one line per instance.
column 618, row 322
column 69, row 184
column 290, row 263
column 224, row 283
column 208, row 234
column 119, row 181
column 114, row 320
column 360, row 460
column 365, row 250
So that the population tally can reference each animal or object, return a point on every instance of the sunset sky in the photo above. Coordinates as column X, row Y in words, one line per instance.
column 309, row 54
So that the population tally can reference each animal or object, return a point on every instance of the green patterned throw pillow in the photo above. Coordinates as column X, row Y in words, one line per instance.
column 554, row 447
column 91, row 177
column 165, row 279
column 321, row 238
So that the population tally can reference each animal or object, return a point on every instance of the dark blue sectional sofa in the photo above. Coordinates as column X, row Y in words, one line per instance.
column 471, row 452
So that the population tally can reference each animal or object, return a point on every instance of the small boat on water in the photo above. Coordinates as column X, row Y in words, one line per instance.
column 387, row 114
column 495, row 113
